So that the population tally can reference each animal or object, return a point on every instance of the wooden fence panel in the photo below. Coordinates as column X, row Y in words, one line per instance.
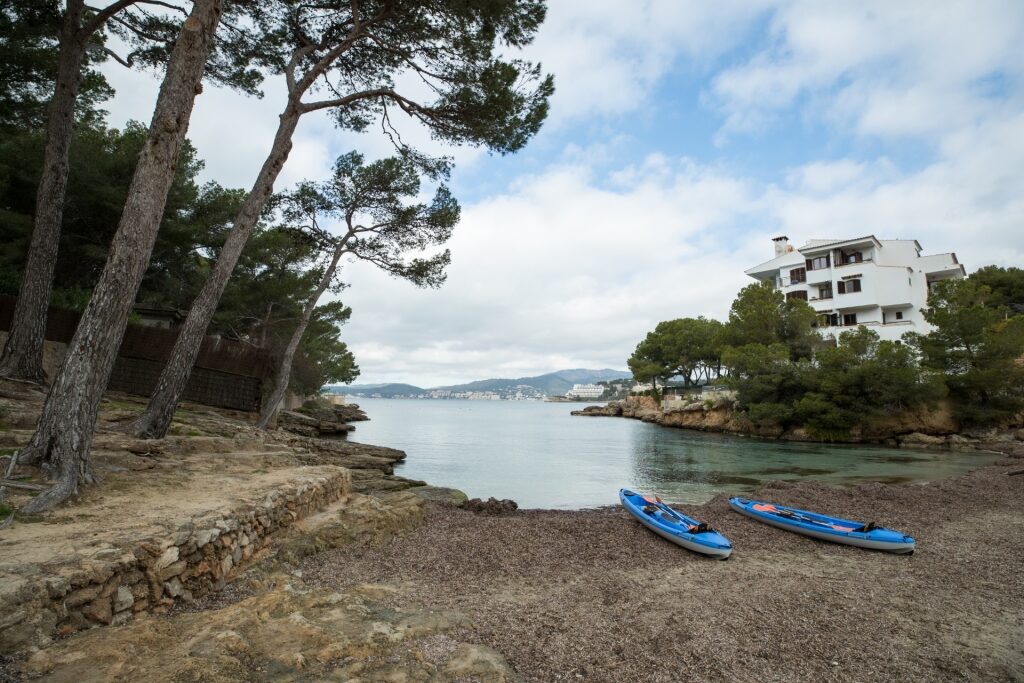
column 227, row 373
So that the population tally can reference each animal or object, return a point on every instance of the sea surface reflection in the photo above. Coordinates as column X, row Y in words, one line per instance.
column 540, row 456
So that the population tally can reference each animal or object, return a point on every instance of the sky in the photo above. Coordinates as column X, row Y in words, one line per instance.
column 682, row 137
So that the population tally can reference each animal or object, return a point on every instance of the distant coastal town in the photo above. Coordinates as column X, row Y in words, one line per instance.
column 527, row 389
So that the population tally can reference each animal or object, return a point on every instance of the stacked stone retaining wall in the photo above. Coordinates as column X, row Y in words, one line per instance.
column 153, row 574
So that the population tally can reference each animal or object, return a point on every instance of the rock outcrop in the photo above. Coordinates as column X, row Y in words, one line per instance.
column 932, row 428
column 316, row 418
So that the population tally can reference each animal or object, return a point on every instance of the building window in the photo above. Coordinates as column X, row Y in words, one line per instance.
column 899, row 315
column 818, row 263
column 849, row 286
column 825, row 291
column 796, row 295
column 828, row 320
column 849, row 319
column 797, row 275
column 853, row 257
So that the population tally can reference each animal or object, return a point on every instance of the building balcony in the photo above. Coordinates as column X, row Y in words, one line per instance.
column 818, row 277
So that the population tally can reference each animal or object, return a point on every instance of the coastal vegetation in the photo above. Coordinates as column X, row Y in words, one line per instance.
column 179, row 244
column 785, row 375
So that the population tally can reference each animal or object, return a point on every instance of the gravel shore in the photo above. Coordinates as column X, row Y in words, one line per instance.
column 591, row 595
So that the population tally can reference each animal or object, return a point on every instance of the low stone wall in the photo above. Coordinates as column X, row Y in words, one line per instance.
column 151, row 575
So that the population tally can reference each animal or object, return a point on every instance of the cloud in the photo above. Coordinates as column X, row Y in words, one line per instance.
column 882, row 68
column 559, row 272
column 608, row 57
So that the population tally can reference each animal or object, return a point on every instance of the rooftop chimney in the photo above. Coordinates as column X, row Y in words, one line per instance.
column 781, row 245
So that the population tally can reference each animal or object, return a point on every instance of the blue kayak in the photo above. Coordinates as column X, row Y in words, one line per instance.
column 826, row 528
column 674, row 526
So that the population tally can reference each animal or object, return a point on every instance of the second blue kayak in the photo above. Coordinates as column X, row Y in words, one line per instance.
column 826, row 528
column 674, row 526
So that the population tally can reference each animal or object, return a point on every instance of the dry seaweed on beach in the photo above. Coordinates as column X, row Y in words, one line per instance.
column 592, row 595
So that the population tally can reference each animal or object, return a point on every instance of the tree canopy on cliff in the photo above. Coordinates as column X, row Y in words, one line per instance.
column 977, row 344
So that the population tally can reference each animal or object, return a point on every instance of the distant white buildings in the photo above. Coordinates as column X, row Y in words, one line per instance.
column 882, row 284
column 585, row 391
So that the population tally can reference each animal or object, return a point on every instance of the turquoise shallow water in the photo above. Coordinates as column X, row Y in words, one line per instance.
column 540, row 456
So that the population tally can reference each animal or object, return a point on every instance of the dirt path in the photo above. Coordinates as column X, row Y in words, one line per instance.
column 592, row 595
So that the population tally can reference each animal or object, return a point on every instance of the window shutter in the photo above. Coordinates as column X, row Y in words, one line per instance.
column 809, row 265
column 842, row 287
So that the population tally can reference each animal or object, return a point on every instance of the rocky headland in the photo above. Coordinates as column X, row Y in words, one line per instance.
column 933, row 428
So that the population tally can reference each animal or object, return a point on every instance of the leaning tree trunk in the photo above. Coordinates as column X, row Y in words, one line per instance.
column 284, row 373
column 155, row 421
column 64, row 434
column 22, row 355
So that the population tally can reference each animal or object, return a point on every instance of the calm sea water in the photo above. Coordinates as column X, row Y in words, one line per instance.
column 540, row 456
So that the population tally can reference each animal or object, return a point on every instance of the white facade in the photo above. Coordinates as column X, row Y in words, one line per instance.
column 881, row 284
column 585, row 391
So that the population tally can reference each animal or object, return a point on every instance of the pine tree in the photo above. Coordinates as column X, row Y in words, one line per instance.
column 346, row 58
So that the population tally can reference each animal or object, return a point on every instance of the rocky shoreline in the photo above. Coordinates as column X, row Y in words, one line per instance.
column 926, row 429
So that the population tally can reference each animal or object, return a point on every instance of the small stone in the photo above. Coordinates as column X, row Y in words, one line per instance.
column 206, row 536
column 174, row 587
column 57, row 586
column 169, row 557
column 225, row 565
column 123, row 599
column 173, row 570
column 82, row 596
column 99, row 610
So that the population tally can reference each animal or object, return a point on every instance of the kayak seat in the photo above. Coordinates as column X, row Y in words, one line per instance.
column 870, row 526
column 700, row 528
column 650, row 509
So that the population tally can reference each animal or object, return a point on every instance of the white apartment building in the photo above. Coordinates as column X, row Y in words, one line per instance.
column 585, row 391
column 882, row 284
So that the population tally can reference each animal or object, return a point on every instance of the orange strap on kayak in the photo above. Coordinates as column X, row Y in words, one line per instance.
column 841, row 528
column 766, row 507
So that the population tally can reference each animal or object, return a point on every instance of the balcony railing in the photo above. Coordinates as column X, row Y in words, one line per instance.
column 854, row 263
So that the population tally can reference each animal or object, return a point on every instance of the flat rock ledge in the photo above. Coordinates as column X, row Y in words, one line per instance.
column 116, row 584
column 290, row 633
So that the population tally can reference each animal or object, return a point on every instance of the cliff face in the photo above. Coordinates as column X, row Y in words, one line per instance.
column 936, row 427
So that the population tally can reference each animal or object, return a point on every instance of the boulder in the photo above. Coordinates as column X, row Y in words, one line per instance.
column 919, row 440
column 440, row 494
column 491, row 506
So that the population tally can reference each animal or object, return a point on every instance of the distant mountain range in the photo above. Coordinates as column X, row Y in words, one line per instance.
column 551, row 384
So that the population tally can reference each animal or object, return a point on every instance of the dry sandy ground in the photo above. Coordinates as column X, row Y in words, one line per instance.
column 592, row 595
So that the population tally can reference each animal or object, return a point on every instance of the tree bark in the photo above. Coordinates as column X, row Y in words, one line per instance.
column 156, row 419
column 284, row 373
column 63, row 436
column 22, row 355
